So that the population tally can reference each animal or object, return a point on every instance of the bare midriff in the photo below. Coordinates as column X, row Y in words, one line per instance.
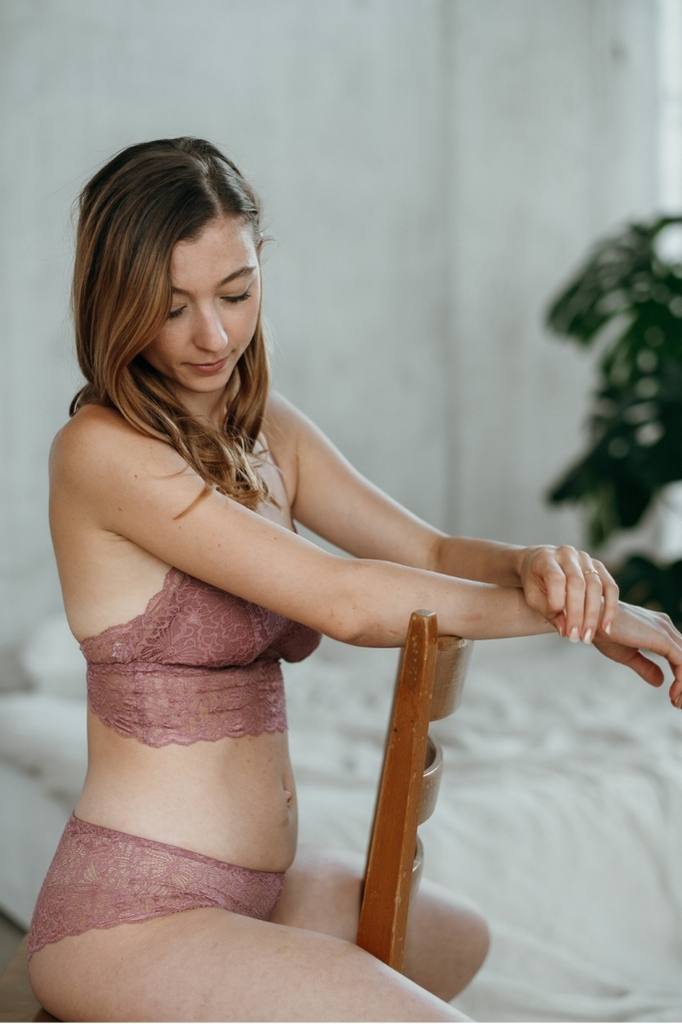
column 233, row 798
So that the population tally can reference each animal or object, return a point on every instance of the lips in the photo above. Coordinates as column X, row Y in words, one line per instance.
column 216, row 363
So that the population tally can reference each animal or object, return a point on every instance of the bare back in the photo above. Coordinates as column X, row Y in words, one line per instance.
column 233, row 798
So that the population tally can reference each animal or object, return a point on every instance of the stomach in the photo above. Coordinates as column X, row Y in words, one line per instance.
column 233, row 798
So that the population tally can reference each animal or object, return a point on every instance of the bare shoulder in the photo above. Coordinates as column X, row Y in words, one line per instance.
column 86, row 452
column 96, row 428
column 93, row 441
column 136, row 494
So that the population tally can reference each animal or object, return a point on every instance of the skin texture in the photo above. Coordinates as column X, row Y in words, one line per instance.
column 210, row 324
column 210, row 964
column 213, row 965
column 564, row 579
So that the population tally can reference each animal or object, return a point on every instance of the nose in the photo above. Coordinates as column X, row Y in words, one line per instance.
column 210, row 335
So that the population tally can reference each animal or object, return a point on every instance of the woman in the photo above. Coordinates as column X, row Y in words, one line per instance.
column 177, row 891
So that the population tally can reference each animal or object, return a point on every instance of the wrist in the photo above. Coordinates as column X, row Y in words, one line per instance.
column 518, row 555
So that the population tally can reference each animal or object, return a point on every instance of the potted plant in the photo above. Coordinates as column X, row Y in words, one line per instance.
column 628, row 294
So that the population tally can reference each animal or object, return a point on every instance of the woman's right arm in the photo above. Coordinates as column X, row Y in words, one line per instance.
column 134, row 485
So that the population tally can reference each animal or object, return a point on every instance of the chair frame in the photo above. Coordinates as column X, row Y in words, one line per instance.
column 428, row 686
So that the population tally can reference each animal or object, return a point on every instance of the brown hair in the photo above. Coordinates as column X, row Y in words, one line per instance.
column 131, row 213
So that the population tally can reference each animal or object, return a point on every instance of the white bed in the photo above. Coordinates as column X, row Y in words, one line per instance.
column 559, row 813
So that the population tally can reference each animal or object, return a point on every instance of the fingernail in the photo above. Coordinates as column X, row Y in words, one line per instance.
column 607, row 628
column 587, row 637
column 574, row 635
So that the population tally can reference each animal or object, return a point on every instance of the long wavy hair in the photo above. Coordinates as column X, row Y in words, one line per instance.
column 130, row 215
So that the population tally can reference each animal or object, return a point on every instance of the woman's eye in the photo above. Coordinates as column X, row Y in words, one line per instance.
column 226, row 298
column 237, row 298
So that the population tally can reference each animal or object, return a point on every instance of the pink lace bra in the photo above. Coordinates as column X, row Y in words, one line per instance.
column 199, row 663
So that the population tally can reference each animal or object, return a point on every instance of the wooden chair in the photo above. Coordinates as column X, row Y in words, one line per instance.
column 428, row 686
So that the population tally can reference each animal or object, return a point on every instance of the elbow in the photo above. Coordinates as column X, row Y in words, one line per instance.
column 345, row 620
column 343, row 624
column 357, row 618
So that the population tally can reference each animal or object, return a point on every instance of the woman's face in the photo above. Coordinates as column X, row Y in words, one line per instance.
column 211, row 319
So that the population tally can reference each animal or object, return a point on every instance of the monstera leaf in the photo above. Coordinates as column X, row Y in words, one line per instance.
column 627, row 297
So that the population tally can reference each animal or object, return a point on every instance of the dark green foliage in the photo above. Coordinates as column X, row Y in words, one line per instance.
column 643, row 582
column 628, row 296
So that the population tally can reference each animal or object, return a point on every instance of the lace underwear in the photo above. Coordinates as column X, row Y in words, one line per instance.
column 100, row 877
column 198, row 663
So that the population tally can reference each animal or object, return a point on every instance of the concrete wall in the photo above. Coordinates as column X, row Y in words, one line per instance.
column 432, row 170
column 553, row 143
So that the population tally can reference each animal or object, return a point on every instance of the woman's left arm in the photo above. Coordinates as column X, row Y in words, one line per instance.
column 566, row 585
column 573, row 591
column 333, row 499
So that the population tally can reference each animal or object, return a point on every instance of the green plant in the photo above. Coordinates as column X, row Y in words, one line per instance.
column 628, row 295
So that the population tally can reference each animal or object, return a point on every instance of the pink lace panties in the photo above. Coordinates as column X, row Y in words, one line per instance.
column 100, row 877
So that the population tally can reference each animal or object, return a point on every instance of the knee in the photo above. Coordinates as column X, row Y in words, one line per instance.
column 448, row 942
column 473, row 950
column 480, row 941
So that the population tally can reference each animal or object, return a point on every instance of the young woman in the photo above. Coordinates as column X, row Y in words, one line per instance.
column 177, row 891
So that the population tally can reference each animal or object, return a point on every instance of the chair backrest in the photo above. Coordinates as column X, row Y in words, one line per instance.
column 428, row 686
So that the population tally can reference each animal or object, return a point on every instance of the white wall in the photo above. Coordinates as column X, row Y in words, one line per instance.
column 432, row 169
column 553, row 143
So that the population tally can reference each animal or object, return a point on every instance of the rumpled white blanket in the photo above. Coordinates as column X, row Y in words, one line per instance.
column 559, row 814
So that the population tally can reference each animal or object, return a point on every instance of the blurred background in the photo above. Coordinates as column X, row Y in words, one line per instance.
column 452, row 187
column 433, row 171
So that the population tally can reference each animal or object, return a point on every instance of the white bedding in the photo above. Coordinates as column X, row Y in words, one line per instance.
column 559, row 814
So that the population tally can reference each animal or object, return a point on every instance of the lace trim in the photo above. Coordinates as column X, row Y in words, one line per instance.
column 162, row 704
column 192, row 622
column 92, row 646
column 100, row 877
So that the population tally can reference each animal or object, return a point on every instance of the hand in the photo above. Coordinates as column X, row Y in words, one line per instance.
column 569, row 588
column 633, row 628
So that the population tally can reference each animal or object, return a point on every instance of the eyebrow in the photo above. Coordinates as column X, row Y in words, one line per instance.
column 230, row 277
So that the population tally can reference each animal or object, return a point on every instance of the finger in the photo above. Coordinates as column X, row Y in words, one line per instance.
column 575, row 592
column 551, row 583
column 554, row 567
column 593, row 606
column 611, row 594
column 536, row 597
column 674, row 658
column 674, row 634
column 675, row 690
column 647, row 669
column 674, row 652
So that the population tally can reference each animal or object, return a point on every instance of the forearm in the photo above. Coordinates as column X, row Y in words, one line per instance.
column 485, row 560
column 383, row 595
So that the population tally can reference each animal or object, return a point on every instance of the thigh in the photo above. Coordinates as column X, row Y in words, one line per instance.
column 210, row 964
column 447, row 937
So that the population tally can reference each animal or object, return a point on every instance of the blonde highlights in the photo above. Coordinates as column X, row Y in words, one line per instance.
column 130, row 215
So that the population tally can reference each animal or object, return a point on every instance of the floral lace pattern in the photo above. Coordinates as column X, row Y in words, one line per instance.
column 199, row 663
column 100, row 877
